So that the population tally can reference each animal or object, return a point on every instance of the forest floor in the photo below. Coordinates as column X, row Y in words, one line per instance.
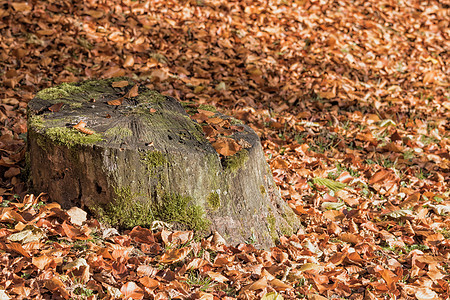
column 351, row 100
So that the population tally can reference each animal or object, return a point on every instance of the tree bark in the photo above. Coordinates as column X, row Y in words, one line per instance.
column 140, row 158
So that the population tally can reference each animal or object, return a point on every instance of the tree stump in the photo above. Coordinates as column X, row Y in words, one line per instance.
column 131, row 156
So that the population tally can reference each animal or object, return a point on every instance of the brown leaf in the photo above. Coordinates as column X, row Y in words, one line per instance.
column 350, row 238
column 379, row 176
column 113, row 72
column 226, row 146
column 81, row 128
column 120, row 84
column 279, row 285
column 173, row 255
column 131, row 290
column 16, row 247
column 11, row 172
column 429, row 77
column 116, row 102
column 133, row 92
column 21, row 6
column 75, row 233
column 217, row 277
column 56, row 107
column 257, row 285
column 80, row 124
column 149, row 282
column 41, row 262
column 129, row 61
column 77, row 215
column 316, row 297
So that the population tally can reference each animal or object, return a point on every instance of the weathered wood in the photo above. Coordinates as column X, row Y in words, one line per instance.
column 146, row 160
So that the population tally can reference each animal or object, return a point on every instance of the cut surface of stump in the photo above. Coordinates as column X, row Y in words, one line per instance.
column 132, row 156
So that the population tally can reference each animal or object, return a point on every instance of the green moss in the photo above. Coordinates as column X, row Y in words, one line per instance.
column 36, row 122
column 125, row 211
column 197, row 132
column 119, row 132
column 271, row 224
column 287, row 231
column 262, row 189
column 174, row 208
column 213, row 200
column 63, row 90
column 153, row 159
column 207, row 107
column 71, row 137
column 236, row 161
column 150, row 96
column 234, row 121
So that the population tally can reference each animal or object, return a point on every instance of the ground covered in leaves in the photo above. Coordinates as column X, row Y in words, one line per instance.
column 350, row 99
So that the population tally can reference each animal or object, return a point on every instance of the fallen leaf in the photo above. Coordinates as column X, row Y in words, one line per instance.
column 173, row 255
column 257, row 285
column 16, row 247
column 129, row 61
column 131, row 290
column 120, row 84
column 116, row 102
column 133, row 92
column 41, row 262
column 56, row 107
column 226, row 146
column 272, row 296
column 77, row 215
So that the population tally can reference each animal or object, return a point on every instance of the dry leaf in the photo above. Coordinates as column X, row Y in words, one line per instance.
column 226, row 146
column 56, row 107
column 120, row 84
column 77, row 215
column 133, row 92
column 131, row 290
column 173, row 255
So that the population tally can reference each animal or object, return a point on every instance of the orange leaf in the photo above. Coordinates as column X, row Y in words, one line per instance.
column 350, row 238
column 21, row 6
column 75, row 233
column 86, row 131
column 116, row 101
column 338, row 258
column 378, row 176
column 56, row 107
column 149, row 282
column 345, row 177
column 429, row 77
column 131, row 290
column 279, row 285
column 129, row 61
column 16, row 247
column 226, row 146
column 174, row 255
column 133, row 92
column 81, row 128
column 80, row 124
column 114, row 72
column 257, row 285
column 41, row 262
column 120, row 84
column 9, row 215
column 54, row 283
column 206, row 112
column 389, row 277
column 217, row 277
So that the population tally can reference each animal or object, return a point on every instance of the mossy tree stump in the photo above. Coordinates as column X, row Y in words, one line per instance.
column 145, row 160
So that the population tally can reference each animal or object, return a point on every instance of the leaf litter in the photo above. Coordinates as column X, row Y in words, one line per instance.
column 346, row 92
